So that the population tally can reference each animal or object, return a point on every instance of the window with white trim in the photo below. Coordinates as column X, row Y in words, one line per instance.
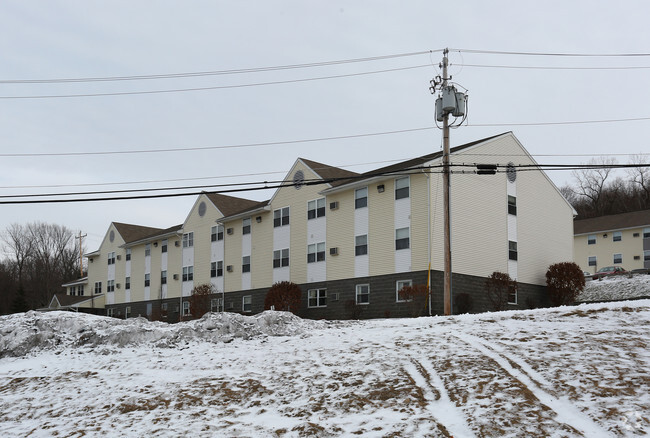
column 163, row 277
column 98, row 287
column 186, row 308
column 188, row 273
column 127, row 283
column 512, row 250
column 646, row 233
column 646, row 257
column 399, row 285
column 128, row 254
column 110, row 312
column 361, row 245
column 281, row 258
column 361, row 198
column 216, row 233
column 246, row 264
column 188, row 239
column 617, row 236
column 402, row 187
column 591, row 239
column 163, row 246
column 402, row 240
column 72, row 291
column 281, row 217
column 316, row 252
column 80, row 290
column 216, row 305
column 592, row 261
column 618, row 258
column 247, row 303
column 316, row 208
column 216, row 269
column 362, row 294
column 147, row 280
column 317, row 298
column 127, row 312
column 147, row 250
column 111, row 258
column 110, row 286
column 246, row 226
column 512, row 205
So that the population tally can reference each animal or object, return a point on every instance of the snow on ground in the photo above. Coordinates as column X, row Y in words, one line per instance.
column 618, row 287
column 563, row 372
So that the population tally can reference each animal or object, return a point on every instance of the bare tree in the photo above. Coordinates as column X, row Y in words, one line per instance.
column 18, row 245
column 640, row 179
column 592, row 182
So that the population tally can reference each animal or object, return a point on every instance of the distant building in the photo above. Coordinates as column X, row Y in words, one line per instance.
column 613, row 240
column 350, row 241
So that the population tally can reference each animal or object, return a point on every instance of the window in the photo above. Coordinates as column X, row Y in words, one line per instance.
column 402, row 238
column 127, row 283
column 98, row 287
column 127, row 312
column 246, row 264
column 72, row 291
column 246, row 226
column 512, row 250
column 216, row 269
column 188, row 273
column 147, row 250
column 402, row 187
column 163, row 246
column 362, row 294
column 163, row 277
column 246, row 303
column 147, row 280
column 512, row 205
column 591, row 239
column 110, row 286
column 361, row 245
column 646, row 258
column 281, row 258
column 617, row 236
column 401, row 284
column 592, row 261
column 317, row 298
column 216, row 305
column 128, row 254
column 80, row 290
column 618, row 258
column 512, row 295
column 646, row 233
column 281, row 217
column 216, row 233
column 111, row 258
column 316, row 252
column 361, row 198
column 110, row 312
column 186, row 308
column 188, row 240
column 316, row 208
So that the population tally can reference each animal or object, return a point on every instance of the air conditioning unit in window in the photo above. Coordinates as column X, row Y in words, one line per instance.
column 334, row 205
column 230, row 231
column 175, row 276
column 334, row 297
column 229, row 268
column 117, row 285
column 334, row 251
column 119, row 257
column 177, row 243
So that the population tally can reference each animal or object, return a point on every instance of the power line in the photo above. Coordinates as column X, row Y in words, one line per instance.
column 558, row 54
column 524, row 67
column 216, row 72
column 218, row 87
column 573, row 122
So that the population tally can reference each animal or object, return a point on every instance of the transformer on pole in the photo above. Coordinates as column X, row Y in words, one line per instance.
column 449, row 102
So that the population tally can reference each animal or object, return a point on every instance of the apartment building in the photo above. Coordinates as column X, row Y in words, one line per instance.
column 613, row 240
column 350, row 241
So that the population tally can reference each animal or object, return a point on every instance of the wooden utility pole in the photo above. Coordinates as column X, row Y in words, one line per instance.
column 81, row 257
column 446, row 190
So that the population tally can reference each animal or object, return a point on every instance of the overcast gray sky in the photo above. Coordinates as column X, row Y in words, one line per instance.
column 88, row 39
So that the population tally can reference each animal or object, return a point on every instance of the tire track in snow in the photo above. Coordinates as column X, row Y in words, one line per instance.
column 566, row 411
column 442, row 409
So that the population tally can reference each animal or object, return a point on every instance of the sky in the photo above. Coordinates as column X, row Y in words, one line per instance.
column 46, row 40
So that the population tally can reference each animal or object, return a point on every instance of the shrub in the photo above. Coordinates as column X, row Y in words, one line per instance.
column 463, row 302
column 285, row 296
column 500, row 288
column 200, row 299
column 354, row 310
column 564, row 282
column 417, row 298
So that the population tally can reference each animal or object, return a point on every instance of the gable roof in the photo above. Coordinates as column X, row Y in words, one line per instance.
column 131, row 233
column 635, row 219
column 326, row 171
column 66, row 300
column 231, row 205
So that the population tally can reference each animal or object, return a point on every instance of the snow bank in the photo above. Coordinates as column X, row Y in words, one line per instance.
column 23, row 333
column 615, row 288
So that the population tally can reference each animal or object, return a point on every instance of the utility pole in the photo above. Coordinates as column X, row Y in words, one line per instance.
column 81, row 257
column 449, row 102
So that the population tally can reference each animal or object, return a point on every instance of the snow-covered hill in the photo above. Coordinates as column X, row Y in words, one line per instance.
column 569, row 371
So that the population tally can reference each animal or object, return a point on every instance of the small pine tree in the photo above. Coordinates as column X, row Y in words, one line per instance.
column 564, row 282
column 19, row 303
column 285, row 296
